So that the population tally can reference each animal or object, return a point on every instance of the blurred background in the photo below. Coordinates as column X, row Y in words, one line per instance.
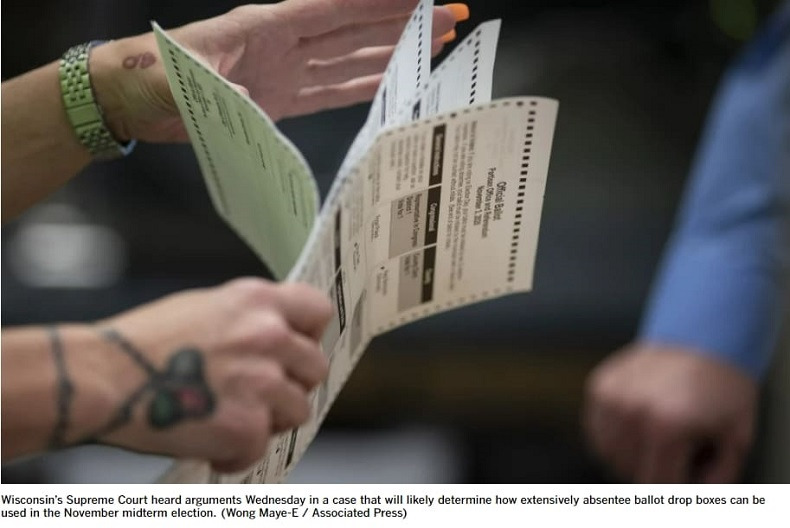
column 489, row 393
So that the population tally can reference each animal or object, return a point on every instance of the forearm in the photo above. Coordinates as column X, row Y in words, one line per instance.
column 721, row 289
column 58, row 387
column 41, row 151
column 209, row 374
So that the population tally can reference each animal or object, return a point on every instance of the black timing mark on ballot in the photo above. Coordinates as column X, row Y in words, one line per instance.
column 383, row 118
column 339, row 295
column 291, row 447
column 337, row 241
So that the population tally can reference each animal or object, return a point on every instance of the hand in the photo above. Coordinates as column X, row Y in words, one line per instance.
column 293, row 58
column 658, row 413
column 231, row 365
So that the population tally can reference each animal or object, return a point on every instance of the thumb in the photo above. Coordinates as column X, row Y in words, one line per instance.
column 239, row 88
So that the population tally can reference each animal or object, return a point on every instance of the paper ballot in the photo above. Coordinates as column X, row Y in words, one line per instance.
column 436, row 205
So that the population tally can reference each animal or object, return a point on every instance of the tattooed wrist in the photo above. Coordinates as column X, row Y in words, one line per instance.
column 177, row 393
column 64, row 388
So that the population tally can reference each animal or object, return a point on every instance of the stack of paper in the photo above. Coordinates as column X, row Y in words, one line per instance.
column 436, row 205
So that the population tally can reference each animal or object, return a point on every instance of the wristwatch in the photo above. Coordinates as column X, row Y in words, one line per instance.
column 82, row 109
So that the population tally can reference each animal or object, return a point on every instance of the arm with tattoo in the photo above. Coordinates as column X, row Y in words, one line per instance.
column 57, row 387
column 207, row 374
column 177, row 392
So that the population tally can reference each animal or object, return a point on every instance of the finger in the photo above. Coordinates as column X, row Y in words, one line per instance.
column 361, row 63
column 315, row 17
column 437, row 45
column 666, row 460
column 315, row 99
column 590, row 423
column 381, row 33
column 287, row 401
column 458, row 11
column 229, row 466
column 350, row 38
column 296, row 354
column 243, row 441
column 304, row 362
column 305, row 309
column 614, row 436
column 595, row 412
column 267, row 339
column 353, row 37
column 239, row 88
column 624, row 446
column 600, row 431
column 723, row 467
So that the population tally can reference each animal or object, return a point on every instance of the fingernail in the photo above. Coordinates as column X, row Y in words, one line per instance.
column 460, row 11
column 448, row 37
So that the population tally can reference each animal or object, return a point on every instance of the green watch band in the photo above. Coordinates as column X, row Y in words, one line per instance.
column 82, row 109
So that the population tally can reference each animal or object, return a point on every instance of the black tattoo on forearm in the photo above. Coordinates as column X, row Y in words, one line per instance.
column 180, row 391
column 65, row 391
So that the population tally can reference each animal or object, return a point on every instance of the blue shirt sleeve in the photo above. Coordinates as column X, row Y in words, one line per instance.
column 720, row 286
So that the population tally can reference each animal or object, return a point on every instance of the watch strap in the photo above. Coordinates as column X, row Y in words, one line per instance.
column 82, row 109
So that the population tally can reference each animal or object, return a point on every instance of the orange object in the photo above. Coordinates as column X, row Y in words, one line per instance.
column 449, row 36
column 459, row 11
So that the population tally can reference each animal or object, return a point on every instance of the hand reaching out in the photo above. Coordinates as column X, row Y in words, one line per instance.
column 293, row 58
